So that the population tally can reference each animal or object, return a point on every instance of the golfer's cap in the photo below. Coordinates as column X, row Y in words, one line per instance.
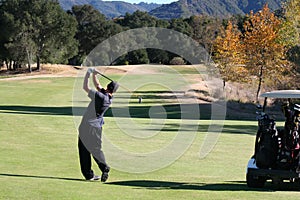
column 113, row 86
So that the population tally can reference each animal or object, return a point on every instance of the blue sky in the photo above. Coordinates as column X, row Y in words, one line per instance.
column 146, row 1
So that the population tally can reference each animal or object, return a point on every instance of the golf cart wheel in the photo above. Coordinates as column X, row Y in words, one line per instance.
column 255, row 182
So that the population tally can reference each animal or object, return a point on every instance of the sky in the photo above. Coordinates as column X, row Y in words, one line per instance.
column 146, row 1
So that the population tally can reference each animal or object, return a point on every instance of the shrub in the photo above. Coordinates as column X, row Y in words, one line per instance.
column 177, row 61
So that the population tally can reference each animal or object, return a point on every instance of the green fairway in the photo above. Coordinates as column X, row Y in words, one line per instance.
column 39, row 157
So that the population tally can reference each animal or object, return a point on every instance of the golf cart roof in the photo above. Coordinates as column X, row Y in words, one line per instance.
column 282, row 94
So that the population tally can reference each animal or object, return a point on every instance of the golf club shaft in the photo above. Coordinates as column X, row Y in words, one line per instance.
column 112, row 80
column 104, row 76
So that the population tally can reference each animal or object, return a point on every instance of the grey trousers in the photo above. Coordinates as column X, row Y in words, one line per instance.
column 90, row 144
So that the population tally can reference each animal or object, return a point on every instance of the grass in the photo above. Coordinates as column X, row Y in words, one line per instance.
column 38, row 151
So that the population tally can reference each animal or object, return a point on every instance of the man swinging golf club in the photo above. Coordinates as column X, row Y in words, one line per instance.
column 90, row 129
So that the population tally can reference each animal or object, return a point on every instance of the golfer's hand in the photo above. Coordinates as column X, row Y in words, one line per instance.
column 95, row 72
column 91, row 70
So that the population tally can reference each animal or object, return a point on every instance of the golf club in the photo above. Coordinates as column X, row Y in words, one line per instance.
column 104, row 76
column 127, row 89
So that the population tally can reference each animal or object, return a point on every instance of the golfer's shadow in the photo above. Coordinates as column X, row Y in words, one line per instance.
column 166, row 185
column 226, row 186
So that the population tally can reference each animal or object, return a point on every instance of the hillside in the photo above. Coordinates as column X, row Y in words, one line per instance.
column 181, row 8
column 219, row 8
column 110, row 8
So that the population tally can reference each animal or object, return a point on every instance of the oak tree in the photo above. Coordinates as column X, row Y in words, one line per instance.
column 37, row 28
column 93, row 28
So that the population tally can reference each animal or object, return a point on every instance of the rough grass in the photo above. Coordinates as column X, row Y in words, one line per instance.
column 38, row 151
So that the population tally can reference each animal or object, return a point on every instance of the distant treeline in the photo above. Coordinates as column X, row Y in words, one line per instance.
column 244, row 46
column 40, row 31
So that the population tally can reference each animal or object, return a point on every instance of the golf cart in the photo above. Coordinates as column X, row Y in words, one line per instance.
column 277, row 151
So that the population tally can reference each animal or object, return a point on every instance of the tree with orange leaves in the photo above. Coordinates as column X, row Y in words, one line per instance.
column 264, row 52
column 229, row 54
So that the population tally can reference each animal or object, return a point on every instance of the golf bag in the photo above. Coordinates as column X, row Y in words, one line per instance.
column 289, row 152
column 266, row 144
column 291, row 136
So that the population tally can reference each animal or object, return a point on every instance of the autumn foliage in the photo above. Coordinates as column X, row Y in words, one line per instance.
column 255, row 53
column 229, row 54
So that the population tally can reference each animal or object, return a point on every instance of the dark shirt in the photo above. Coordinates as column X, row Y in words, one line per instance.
column 100, row 102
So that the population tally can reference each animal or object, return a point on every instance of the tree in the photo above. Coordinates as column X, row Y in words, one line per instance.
column 139, row 19
column 291, row 34
column 48, row 29
column 22, row 50
column 158, row 56
column 290, row 27
column 54, row 32
column 263, row 50
column 205, row 30
column 93, row 28
column 181, row 26
column 229, row 55
column 16, row 43
column 138, row 57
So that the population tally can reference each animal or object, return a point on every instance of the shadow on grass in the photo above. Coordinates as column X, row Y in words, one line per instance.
column 41, row 177
column 37, row 110
column 163, row 185
column 173, row 111
column 240, row 129
column 226, row 186
column 168, row 185
column 234, row 110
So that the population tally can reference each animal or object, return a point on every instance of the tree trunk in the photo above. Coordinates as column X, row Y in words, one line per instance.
column 6, row 63
column 29, row 61
column 10, row 65
column 29, row 67
column 15, row 66
column 259, row 82
column 38, row 64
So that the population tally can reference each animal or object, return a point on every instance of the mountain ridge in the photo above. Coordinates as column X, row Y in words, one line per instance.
column 178, row 9
column 110, row 9
column 216, row 8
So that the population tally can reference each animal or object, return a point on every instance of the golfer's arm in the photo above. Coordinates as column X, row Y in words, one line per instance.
column 96, row 81
column 86, row 83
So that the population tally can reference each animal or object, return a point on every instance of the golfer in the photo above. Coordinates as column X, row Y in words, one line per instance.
column 90, row 129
